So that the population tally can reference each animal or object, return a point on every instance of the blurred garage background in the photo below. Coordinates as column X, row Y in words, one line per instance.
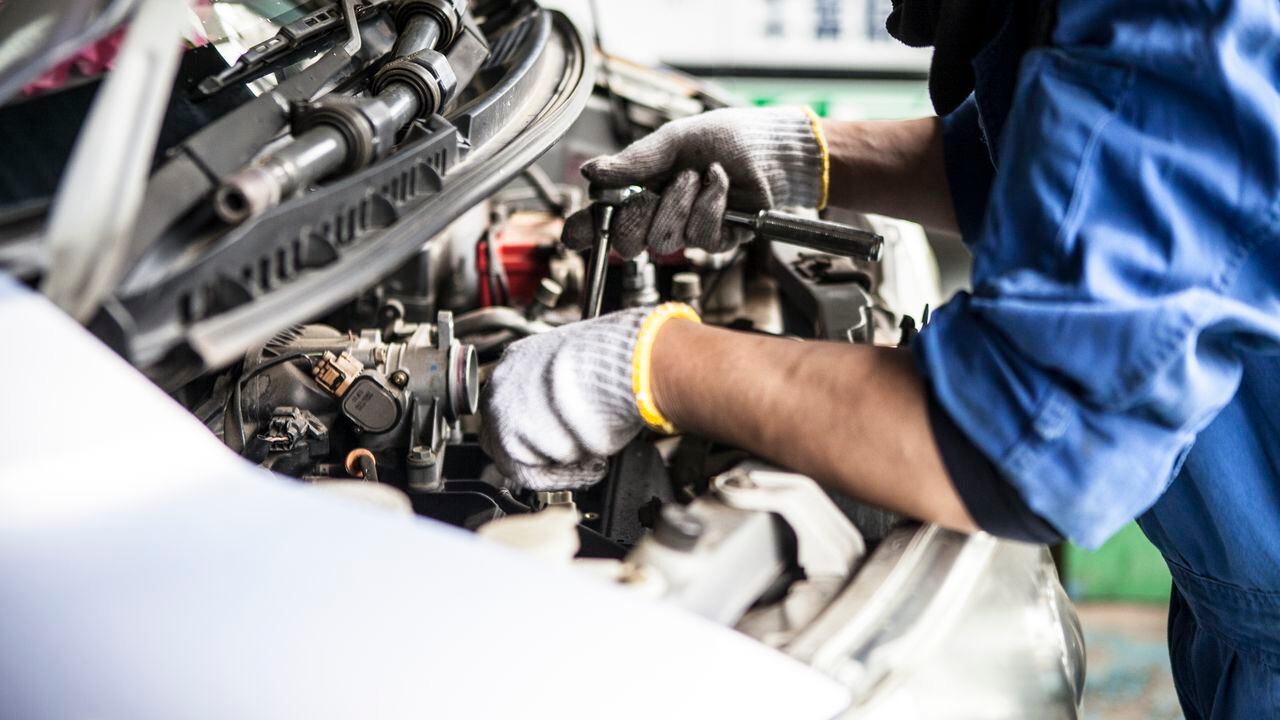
column 835, row 56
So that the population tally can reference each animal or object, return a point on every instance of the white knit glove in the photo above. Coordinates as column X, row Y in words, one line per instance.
column 695, row 168
column 561, row 402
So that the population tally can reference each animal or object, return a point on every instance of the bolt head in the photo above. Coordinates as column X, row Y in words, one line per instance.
column 548, row 293
column 686, row 286
column 678, row 528
column 613, row 196
column 400, row 378
column 421, row 455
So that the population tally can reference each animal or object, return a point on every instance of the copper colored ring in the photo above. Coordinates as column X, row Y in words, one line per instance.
column 350, row 463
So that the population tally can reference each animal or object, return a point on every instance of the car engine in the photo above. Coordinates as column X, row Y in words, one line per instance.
column 360, row 213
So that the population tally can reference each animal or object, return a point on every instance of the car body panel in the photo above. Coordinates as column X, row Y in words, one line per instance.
column 149, row 572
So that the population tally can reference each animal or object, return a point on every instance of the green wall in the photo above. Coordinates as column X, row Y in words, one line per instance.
column 841, row 99
column 1127, row 568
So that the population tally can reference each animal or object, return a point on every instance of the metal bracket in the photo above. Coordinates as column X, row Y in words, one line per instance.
column 828, row 544
column 424, row 463
column 352, row 46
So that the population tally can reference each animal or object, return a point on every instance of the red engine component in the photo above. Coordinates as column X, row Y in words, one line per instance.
column 525, row 243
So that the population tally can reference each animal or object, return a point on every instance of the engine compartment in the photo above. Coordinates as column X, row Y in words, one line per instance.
column 384, row 389
column 330, row 307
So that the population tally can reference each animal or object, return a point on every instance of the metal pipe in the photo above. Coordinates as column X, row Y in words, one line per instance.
column 606, row 200
column 422, row 32
column 318, row 152
column 401, row 101
column 257, row 188
column 494, row 319
column 308, row 159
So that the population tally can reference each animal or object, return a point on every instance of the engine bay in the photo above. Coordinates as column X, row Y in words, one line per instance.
column 385, row 388
column 363, row 211
column 347, row 223
column 381, row 390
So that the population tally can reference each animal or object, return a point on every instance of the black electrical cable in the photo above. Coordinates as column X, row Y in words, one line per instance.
column 545, row 188
column 498, row 287
column 476, row 493
column 618, row 115
column 494, row 278
column 714, row 284
column 495, row 271
column 505, row 496
column 495, row 319
column 236, row 390
column 490, row 348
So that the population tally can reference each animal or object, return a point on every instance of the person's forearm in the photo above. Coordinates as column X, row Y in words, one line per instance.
column 852, row 417
column 891, row 168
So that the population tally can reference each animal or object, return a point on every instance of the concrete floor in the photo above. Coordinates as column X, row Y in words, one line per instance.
column 1128, row 663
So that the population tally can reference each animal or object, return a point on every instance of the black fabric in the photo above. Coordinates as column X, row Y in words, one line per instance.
column 995, row 505
column 958, row 30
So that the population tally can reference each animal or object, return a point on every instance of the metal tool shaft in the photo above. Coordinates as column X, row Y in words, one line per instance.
column 593, row 297
column 607, row 199
column 820, row 235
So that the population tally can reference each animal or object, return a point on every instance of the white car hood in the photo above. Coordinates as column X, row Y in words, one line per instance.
column 148, row 572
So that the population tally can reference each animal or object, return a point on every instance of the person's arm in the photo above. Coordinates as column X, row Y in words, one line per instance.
column 891, row 167
column 750, row 159
column 855, row 418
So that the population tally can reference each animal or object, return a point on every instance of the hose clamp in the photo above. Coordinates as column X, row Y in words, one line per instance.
column 367, row 126
column 429, row 75
column 448, row 13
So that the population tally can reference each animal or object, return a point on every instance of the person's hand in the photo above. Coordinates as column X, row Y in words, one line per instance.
column 561, row 402
column 695, row 168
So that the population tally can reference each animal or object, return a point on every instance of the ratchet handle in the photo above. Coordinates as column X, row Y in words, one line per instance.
column 820, row 235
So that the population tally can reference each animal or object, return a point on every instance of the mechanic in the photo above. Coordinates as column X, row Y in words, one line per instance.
column 1114, row 167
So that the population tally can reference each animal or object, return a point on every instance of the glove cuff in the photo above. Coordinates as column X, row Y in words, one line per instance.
column 794, row 160
column 824, row 189
column 641, row 362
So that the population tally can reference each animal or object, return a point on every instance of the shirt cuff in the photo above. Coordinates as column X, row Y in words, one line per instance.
column 1086, row 470
column 995, row 505
column 970, row 170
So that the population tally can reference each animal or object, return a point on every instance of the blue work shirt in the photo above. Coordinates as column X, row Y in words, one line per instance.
column 1119, row 188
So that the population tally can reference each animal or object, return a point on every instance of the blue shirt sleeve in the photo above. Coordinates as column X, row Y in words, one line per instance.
column 1127, row 254
column 994, row 504
column 970, row 170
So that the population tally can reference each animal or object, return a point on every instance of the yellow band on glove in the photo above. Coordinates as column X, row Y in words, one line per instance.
column 816, row 123
column 641, row 365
